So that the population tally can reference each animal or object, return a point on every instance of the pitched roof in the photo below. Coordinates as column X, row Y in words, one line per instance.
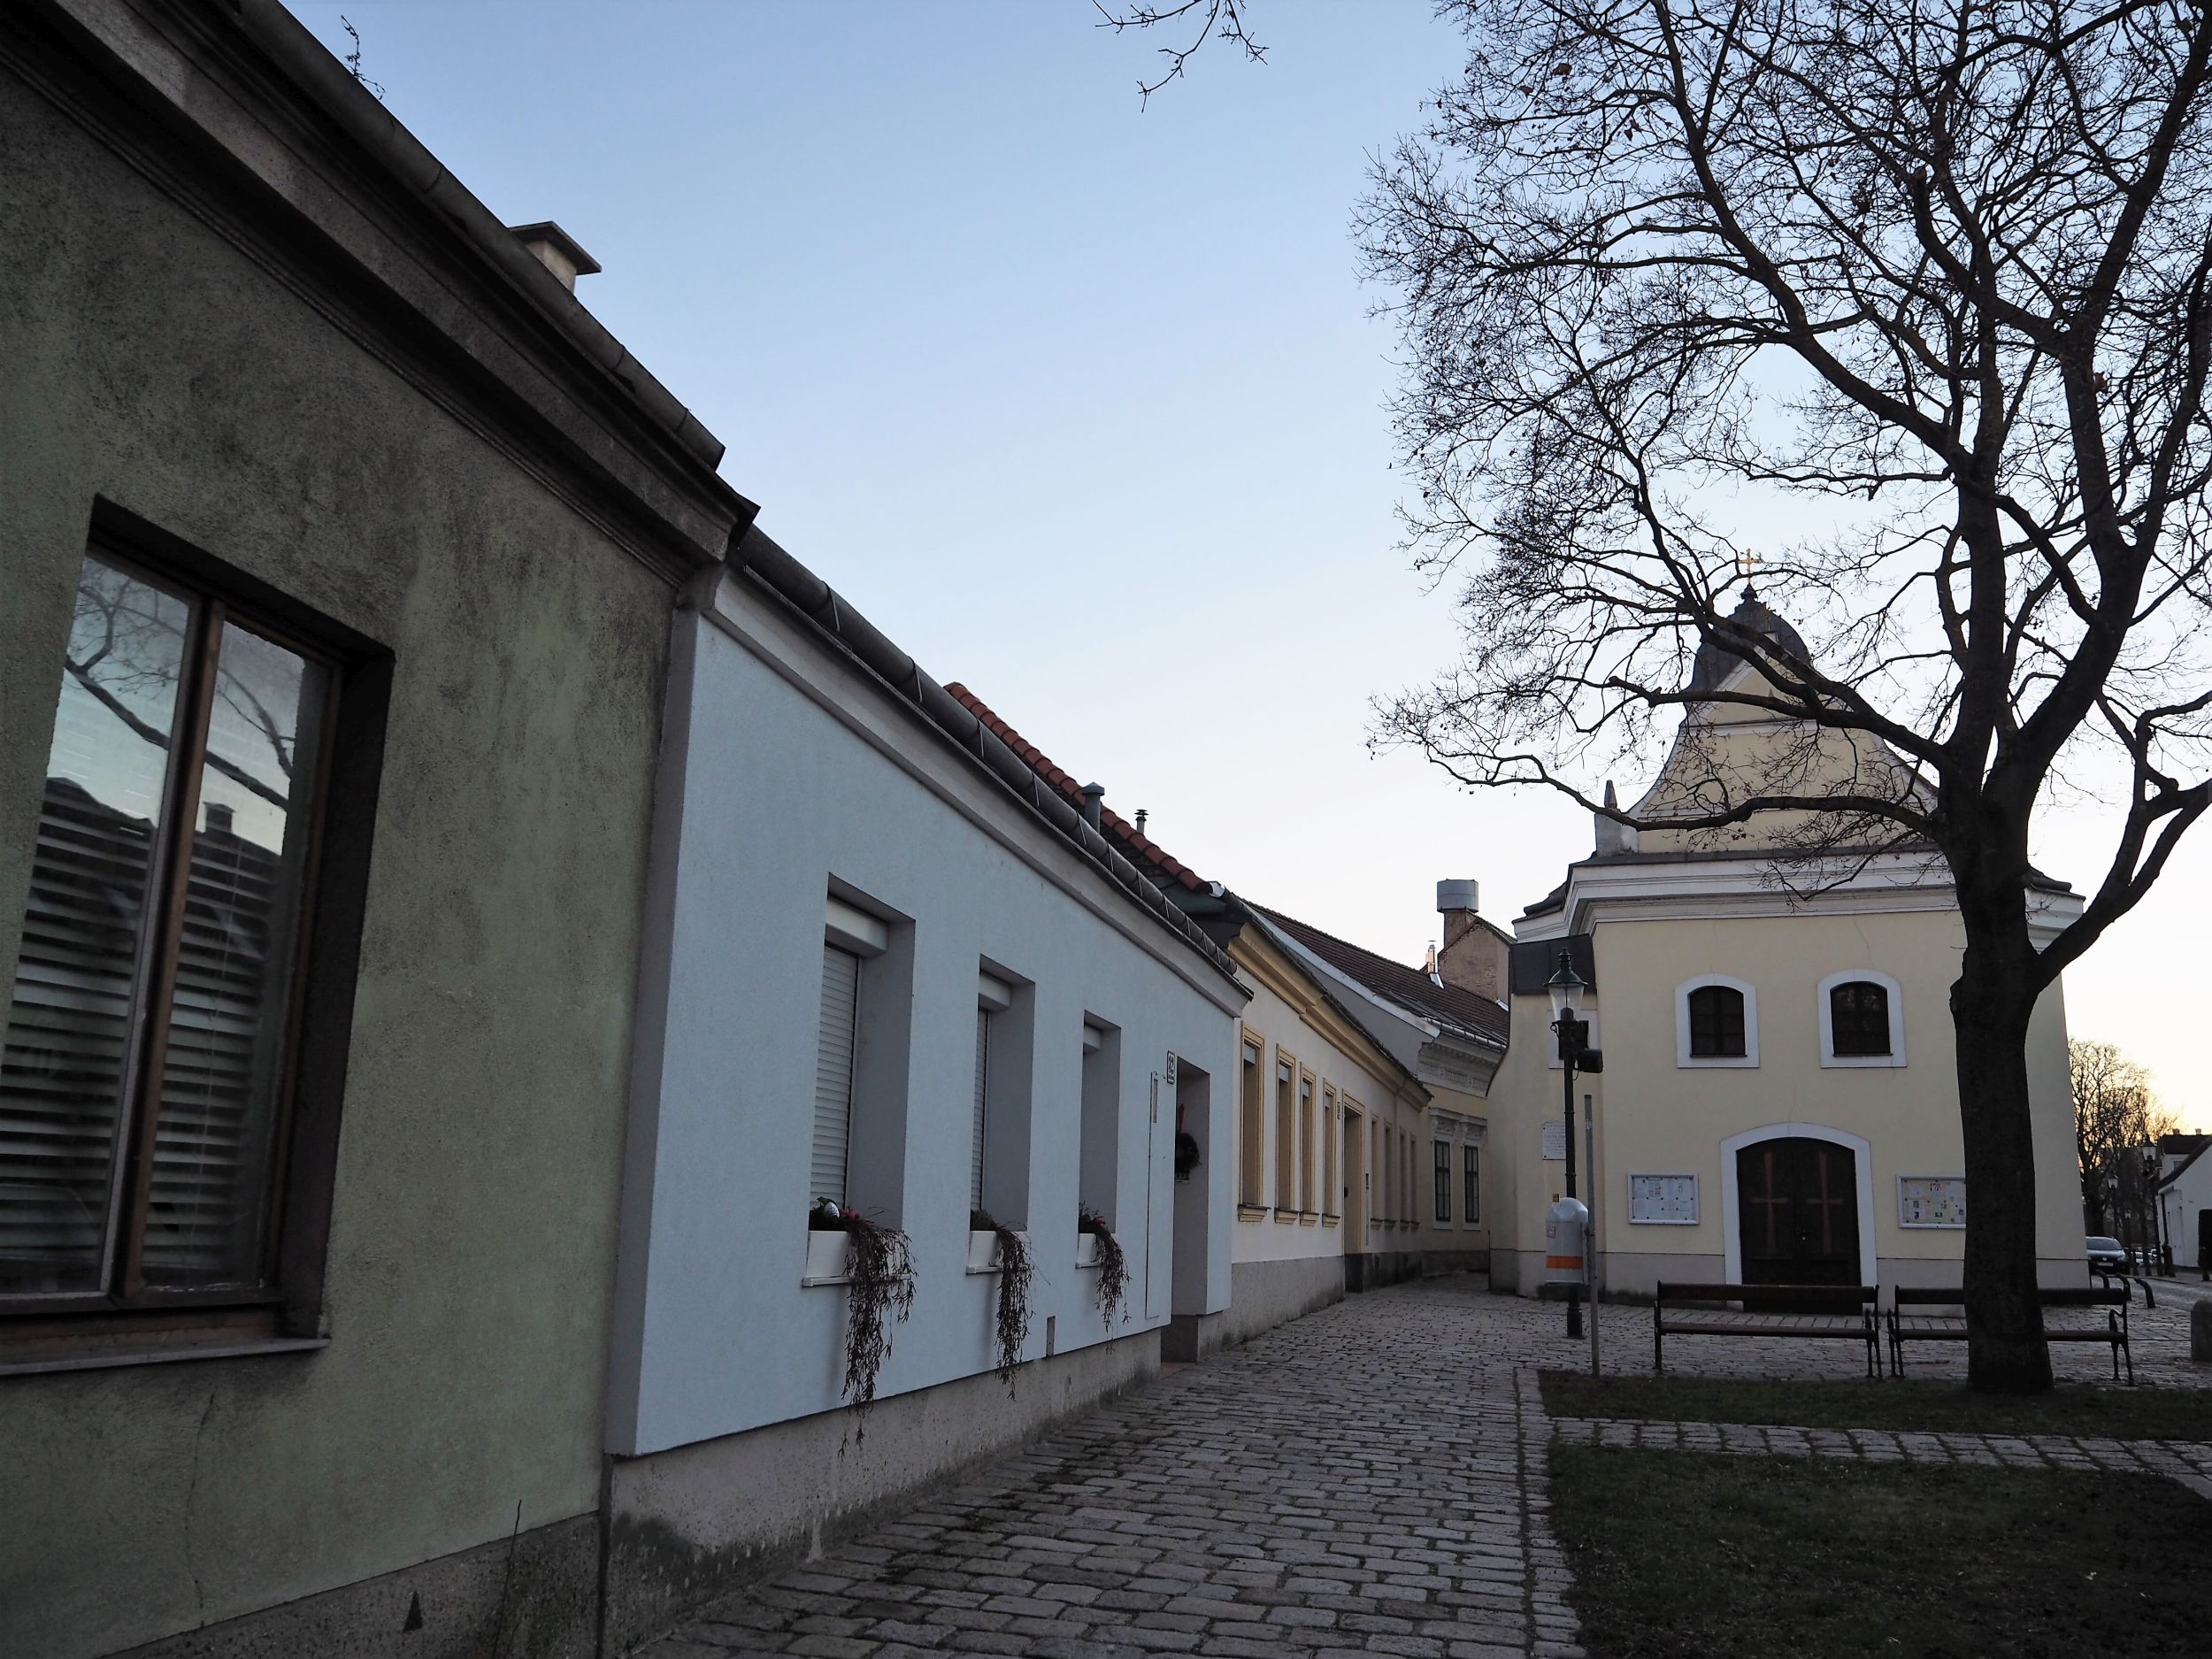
column 2174, row 1146
column 1147, row 854
column 1462, row 1011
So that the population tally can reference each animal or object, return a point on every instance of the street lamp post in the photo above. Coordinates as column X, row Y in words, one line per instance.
column 1575, row 1054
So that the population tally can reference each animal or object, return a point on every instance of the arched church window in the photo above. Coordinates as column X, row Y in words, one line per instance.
column 1858, row 1018
column 1716, row 1023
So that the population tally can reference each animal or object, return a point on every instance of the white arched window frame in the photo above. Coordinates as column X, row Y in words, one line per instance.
column 1896, row 998
column 1683, row 1057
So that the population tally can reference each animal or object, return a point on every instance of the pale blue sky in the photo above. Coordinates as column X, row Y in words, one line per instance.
column 1080, row 405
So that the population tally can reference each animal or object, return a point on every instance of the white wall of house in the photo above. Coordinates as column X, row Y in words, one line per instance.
column 791, row 775
column 2189, row 1198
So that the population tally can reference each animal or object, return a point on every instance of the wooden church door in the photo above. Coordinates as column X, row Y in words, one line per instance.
column 1797, row 1204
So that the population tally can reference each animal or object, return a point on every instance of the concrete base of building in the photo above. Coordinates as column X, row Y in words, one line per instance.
column 536, row 1593
column 1262, row 1295
column 1434, row 1263
column 686, row 1524
column 1378, row 1268
column 1192, row 1337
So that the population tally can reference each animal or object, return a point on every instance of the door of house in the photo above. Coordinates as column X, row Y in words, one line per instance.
column 1352, row 1205
column 1797, row 1208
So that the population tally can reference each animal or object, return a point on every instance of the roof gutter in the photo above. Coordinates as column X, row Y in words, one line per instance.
column 755, row 553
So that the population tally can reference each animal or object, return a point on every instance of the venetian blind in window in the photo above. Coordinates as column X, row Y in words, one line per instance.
column 834, row 1073
column 144, row 1072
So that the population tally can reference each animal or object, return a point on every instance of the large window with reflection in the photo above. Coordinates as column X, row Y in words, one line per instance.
column 153, row 1025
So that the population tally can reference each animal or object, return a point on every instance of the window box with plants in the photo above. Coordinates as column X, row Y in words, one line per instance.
column 993, row 1247
column 876, row 1264
column 1096, row 1246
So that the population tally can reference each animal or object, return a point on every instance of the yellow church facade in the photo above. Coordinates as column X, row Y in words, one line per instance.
column 1778, row 1102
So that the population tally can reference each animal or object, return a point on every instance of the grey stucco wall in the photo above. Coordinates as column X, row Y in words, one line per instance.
column 151, row 362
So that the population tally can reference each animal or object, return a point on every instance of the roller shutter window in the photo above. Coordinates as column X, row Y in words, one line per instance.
column 834, row 1073
column 982, row 1106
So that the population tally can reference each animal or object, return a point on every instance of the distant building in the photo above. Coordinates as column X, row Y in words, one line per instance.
column 1434, row 1212
column 1779, row 1101
column 2185, row 1197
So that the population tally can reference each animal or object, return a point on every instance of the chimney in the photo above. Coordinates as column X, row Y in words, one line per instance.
column 1094, row 798
column 1472, row 957
column 556, row 250
column 1141, row 815
column 1611, row 836
column 218, row 818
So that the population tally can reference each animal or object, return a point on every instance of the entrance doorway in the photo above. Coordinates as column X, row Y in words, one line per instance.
column 1798, row 1212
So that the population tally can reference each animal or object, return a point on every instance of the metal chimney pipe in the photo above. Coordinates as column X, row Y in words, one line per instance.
column 1093, row 795
column 1141, row 815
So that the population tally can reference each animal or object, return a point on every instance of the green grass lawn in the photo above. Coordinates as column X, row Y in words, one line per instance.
column 1703, row 1555
column 2139, row 1413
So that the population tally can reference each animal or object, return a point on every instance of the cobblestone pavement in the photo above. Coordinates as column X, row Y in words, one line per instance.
column 2189, row 1462
column 1369, row 1478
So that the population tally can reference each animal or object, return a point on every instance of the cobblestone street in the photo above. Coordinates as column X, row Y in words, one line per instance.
column 1369, row 1478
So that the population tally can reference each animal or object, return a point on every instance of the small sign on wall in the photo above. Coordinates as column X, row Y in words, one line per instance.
column 1663, row 1201
column 1931, row 1201
column 1554, row 1141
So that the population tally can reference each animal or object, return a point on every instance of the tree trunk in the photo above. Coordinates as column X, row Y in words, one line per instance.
column 1991, row 1003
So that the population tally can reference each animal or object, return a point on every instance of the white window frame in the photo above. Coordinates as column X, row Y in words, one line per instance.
column 1828, row 1054
column 1684, row 1058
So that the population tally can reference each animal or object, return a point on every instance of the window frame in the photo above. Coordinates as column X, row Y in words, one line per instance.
column 1684, row 1058
column 1441, row 1168
column 1332, row 1177
column 1307, row 1146
column 1252, row 1125
column 127, row 1321
column 1285, row 1082
column 1829, row 1058
column 1471, row 1175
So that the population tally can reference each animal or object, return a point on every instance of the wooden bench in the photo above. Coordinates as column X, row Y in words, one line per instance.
column 1951, row 1327
column 1848, row 1312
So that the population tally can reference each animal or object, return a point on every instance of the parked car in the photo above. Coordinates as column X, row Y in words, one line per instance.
column 2106, row 1255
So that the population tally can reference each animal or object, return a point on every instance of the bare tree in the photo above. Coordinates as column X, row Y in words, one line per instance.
column 128, row 643
column 1199, row 21
column 2116, row 1117
column 1935, row 282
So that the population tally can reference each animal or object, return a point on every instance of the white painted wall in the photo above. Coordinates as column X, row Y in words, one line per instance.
column 784, row 767
column 2182, row 1201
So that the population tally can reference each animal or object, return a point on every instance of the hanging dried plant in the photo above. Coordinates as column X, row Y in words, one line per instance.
column 881, row 1265
column 1113, row 1267
column 1014, row 1273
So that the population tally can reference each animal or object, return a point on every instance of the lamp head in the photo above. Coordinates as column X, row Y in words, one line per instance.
column 1566, row 987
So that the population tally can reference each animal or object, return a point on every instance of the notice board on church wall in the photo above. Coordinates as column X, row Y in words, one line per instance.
column 1665, row 1200
column 1931, row 1201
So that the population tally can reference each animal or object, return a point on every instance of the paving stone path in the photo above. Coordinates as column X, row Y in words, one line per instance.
column 2189, row 1462
column 1369, row 1478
